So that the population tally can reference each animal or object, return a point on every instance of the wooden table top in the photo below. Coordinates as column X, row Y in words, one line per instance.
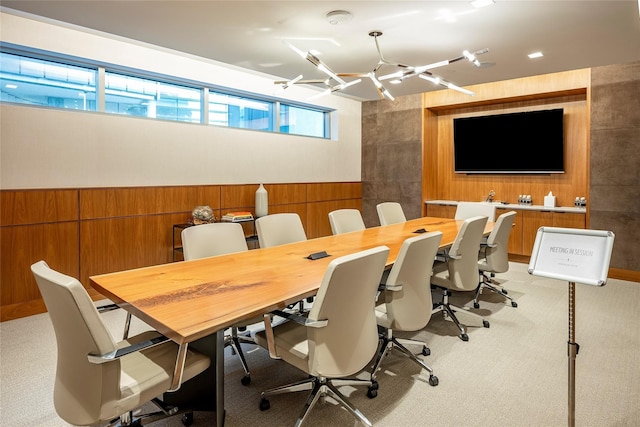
column 189, row 300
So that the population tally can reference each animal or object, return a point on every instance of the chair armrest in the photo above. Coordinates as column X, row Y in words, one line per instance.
column 107, row 307
column 114, row 355
column 385, row 287
column 294, row 317
column 301, row 320
column 443, row 256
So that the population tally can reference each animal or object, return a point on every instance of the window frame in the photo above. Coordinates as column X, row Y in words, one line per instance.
column 205, row 89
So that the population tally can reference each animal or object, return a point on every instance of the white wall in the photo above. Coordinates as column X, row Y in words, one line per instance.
column 50, row 148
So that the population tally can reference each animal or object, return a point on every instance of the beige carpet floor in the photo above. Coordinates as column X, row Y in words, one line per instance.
column 514, row 373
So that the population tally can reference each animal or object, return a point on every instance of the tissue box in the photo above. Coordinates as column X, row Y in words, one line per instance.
column 550, row 201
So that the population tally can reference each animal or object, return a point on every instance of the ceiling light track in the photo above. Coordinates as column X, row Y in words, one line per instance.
column 405, row 71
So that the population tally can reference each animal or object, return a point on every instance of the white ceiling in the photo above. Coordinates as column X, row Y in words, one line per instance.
column 251, row 34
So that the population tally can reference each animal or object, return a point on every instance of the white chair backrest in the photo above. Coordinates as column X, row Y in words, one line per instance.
column 279, row 229
column 205, row 240
column 390, row 213
column 409, row 309
column 470, row 209
column 463, row 266
column 497, row 257
column 346, row 220
column 346, row 298
column 80, row 386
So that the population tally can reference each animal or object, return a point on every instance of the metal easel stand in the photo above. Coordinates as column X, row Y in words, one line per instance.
column 572, row 350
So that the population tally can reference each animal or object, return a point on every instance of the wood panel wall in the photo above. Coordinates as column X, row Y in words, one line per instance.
column 561, row 90
column 83, row 232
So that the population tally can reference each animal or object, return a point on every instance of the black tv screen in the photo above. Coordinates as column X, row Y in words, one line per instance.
column 528, row 142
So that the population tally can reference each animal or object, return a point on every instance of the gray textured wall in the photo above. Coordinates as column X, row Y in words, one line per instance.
column 614, row 191
column 392, row 156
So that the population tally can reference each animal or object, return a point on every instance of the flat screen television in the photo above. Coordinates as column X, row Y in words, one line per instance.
column 531, row 142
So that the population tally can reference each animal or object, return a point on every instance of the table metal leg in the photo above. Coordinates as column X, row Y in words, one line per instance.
column 220, row 378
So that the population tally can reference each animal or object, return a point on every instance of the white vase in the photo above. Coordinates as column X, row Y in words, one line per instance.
column 262, row 202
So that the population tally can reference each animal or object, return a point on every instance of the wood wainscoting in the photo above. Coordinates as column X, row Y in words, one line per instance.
column 87, row 231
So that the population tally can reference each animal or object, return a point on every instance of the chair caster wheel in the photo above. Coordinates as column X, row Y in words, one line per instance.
column 264, row 404
column 514, row 304
column 246, row 380
column 426, row 351
column 476, row 305
column 464, row 337
column 372, row 393
column 504, row 291
column 485, row 323
column 433, row 380
column 187, row 419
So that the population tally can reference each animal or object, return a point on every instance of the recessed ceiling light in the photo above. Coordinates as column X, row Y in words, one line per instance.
column 481, row 3
column 395, row 81
column 11, row 86
column 535, row 55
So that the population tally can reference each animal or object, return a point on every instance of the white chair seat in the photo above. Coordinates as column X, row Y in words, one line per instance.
column 292, row 344
column 141, row 380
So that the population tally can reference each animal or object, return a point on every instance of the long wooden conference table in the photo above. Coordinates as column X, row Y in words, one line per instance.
column 191, row 300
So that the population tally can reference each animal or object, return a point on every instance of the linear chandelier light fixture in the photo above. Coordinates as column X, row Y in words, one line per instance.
column 336, row 81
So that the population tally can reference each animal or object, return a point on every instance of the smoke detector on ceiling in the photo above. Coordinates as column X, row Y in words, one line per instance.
column 337, row 17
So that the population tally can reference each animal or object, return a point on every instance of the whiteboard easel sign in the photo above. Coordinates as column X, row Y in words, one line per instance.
column 571, row 254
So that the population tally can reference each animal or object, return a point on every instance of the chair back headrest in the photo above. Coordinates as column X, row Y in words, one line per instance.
column 206, row 240
column 346, row 299
column 279, row 229
column 390, row 213
column 345, row 221
column 467, row 210
column 409, row 308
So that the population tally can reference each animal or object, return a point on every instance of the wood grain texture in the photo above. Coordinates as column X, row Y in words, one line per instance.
column 238, row 197
column 334, row 191
column 515, row 90
column 220, row 291
column 283, row 194
column 444, row 211
column 115, row 244
column 20, row 207
column 121, row 202
column 55, row 243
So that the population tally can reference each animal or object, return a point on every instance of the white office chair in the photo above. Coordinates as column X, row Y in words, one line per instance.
column 219, row 238
column 466, row 210
column 390, row 213
column 279, row 229
column 407, row 298
column 460, row 271
column 99, row 380
column 496, row 257
column 339, row 336
column 346, row 220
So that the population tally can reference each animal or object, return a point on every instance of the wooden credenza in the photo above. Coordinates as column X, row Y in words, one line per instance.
column 529, row 218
